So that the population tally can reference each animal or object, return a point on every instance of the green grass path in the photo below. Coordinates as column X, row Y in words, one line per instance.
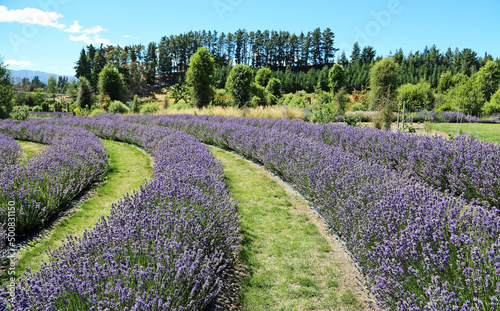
column 129, row 167
column 290, row 264
column 484, row 131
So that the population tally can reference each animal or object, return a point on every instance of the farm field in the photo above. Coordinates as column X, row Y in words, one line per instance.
column 384, row 197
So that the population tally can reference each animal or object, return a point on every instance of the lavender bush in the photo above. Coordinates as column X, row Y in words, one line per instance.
column 421, row 248
column 10, row 151
column 465, row 166
column 40, row 188
column 165, row 247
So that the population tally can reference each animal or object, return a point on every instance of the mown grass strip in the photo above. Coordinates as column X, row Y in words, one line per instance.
column 129, row 167
column 30, row 149
column 288, row 262
column 483, row 131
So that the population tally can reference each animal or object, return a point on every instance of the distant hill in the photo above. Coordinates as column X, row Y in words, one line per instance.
column 18, row 75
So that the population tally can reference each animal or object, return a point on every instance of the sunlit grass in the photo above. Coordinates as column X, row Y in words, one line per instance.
column 288, row 261
column 484, row 131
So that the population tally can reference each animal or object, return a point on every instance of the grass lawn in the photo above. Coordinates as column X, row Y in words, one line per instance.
column 289, row 264
column 486, row 132
column 29, row 149
column 129, row 167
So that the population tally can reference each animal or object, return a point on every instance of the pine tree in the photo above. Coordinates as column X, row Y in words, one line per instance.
column 82, row 67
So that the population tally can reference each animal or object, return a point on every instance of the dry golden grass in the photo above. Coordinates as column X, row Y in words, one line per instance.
column 267, row 112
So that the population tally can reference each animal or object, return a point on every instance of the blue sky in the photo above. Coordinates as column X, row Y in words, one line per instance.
column 48, row 35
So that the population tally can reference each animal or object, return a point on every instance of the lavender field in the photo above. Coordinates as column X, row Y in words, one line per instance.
column 420, row 215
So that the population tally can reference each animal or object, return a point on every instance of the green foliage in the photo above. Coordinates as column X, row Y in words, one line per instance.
column 447, row 106
column 200, row 76
column 149, row 108
column 274, row 87
column 323, row 80
column 255, row 101
column 21, row 115
column 178, row 92
column 263, row 76
column 336, row 78
column 358, row 107
column 469, row 97
column 52, row 86
column 96, row 112
column 416, row 95
column 238, row 84
column 445, row 82
column 58, row 107
column 84, row 97
column 45, row 107
column 488, row 77
column 221, row 98
column 111, row 82
column 323, row 114
column 37, row 109
column 71, row 107
column 118, row 107
column 324, row 98
column 6, row 91
column 136, row 104
column 383, row 83
column 341, row 100
column 299, row 99
column 493, row 106
column 38, row 97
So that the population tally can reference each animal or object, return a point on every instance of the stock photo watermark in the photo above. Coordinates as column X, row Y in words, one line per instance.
column 11, row 241
column 224, row 6
column 41, row 18
column 380, row 19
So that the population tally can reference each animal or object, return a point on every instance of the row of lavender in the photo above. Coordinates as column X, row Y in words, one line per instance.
column 422, row 249
column 10, row 151
column 165, row 247
column 463, row 166
column 32, row 193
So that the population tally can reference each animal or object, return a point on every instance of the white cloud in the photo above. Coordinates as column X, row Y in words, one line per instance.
column 95, row 40
column 84, row 37
column 77, row 28
column 20, row 63
column 94, row 30
column 127, row 36
column 31, row 16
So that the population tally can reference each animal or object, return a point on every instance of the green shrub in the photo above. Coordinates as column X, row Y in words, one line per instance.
column 58, row 107
column 71, row 107
column 271, row 99
column 37, row 109
column 324, row 98
column 416, row 95
column 45, row 107
column 274, row 87
column 22, row 114
column 180, row 105
column 149, row 108
column 358, row 107
column 136, row 104
column 493, row 106
column 323, row 114
column 255, row 101
column 221, row 98
column 118, row 107
column 96, row 112
column 341, row 100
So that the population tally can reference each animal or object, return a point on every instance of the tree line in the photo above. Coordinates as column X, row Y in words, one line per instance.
column 299, row 61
